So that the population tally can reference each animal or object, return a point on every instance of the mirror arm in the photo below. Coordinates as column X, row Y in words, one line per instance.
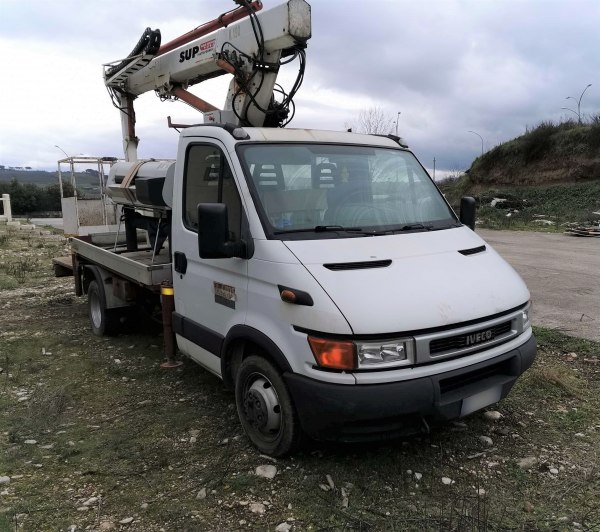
column 235, row 249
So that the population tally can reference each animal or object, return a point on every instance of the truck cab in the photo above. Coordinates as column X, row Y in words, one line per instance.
column 325, row 278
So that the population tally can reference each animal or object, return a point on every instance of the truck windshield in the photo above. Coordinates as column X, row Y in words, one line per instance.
column 325, row 190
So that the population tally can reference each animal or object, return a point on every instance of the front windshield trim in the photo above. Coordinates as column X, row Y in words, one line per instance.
column 275, row 233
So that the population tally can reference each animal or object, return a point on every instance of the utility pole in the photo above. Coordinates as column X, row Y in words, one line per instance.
column 578, row 113
column 57, row 146
column 434, row 168
column 475, row 133
column 397, row 120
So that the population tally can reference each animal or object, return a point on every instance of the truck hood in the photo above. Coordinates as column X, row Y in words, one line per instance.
column 407, row 282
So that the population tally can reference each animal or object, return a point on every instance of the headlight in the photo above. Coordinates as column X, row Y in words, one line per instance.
column 347, row 355
column 384, row 354
column 527, row 315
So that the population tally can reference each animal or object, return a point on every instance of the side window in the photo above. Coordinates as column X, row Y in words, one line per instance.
column 208, row 179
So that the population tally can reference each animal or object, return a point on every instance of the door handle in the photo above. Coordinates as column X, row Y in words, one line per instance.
column 180, row 262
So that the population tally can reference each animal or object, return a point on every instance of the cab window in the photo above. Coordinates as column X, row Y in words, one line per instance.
column 208, row 179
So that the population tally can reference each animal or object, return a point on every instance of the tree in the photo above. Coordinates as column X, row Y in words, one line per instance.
column 29, row 198
column 374, row 121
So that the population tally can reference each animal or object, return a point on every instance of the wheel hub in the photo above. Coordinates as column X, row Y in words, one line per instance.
column 256, row 409
column 261, row 407
column 95, row 310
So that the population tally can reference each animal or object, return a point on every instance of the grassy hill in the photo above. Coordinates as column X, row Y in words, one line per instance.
column 548, row 153
column 35, row 177
column 87, row 182
column 44, row 178
column 551, row 173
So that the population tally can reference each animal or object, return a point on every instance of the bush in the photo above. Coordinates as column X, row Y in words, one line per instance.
column 28, row 198
column 538, row 142
column 594, row 134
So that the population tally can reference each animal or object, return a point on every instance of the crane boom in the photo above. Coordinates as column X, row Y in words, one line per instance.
column 251, row 49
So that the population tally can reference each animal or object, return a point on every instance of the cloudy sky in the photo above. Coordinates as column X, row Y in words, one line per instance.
column 449, row 67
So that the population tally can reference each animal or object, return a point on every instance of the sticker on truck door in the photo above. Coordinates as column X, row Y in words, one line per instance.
column 224, row 294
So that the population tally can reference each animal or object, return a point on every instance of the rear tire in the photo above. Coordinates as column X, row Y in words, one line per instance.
column 104, row 322
column 265, row 408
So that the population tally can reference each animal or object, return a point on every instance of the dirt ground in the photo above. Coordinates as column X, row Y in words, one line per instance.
column 95, row 436
column 562, row 273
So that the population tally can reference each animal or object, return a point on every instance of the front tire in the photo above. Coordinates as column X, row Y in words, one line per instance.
column 104, row 322
column 265, row 408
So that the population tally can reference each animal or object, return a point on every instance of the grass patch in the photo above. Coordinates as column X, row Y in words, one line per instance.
column 19, row 268
column 556, row 341
column 559, row 380
column 126, row 436
column 7, row 282
column 558, row 204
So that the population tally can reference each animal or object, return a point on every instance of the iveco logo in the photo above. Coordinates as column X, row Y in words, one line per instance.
column 477, row 338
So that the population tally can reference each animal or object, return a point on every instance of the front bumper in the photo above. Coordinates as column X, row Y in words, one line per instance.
column 378, row 411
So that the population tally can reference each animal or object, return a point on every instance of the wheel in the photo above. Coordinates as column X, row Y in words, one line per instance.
column 104, row 322
column 265, row 408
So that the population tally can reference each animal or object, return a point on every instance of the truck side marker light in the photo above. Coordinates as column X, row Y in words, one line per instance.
column 294, row 296
column 288, row 296
column 334, row 354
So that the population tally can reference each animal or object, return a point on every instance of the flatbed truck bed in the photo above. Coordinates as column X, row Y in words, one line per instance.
column 142, row 266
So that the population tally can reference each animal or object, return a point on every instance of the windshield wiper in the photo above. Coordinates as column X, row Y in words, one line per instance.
column 318, row 229
column 415, row 226
column 359, row 230
column 324, row 228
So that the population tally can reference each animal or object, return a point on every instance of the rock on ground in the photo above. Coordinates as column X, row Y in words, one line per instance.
column 257, row 508
column 266, row 471
column 492, row 415
column 527, row 462
column 486, row 440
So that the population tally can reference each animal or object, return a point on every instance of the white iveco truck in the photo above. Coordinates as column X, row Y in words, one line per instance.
column 320, row 274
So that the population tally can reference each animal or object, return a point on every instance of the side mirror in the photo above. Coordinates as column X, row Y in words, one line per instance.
column 467, row 212
column 213, row 233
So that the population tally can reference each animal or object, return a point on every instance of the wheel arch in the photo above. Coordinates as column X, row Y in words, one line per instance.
column 241, row 342
column 91, row 273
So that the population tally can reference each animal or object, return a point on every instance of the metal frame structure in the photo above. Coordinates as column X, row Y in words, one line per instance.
column 102, row 165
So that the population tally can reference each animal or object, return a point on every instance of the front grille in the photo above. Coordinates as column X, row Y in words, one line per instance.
column 340, row 266
column 462, row 341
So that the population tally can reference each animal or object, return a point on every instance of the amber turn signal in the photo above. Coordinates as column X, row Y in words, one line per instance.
column 334, row 354
column 288, row 296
